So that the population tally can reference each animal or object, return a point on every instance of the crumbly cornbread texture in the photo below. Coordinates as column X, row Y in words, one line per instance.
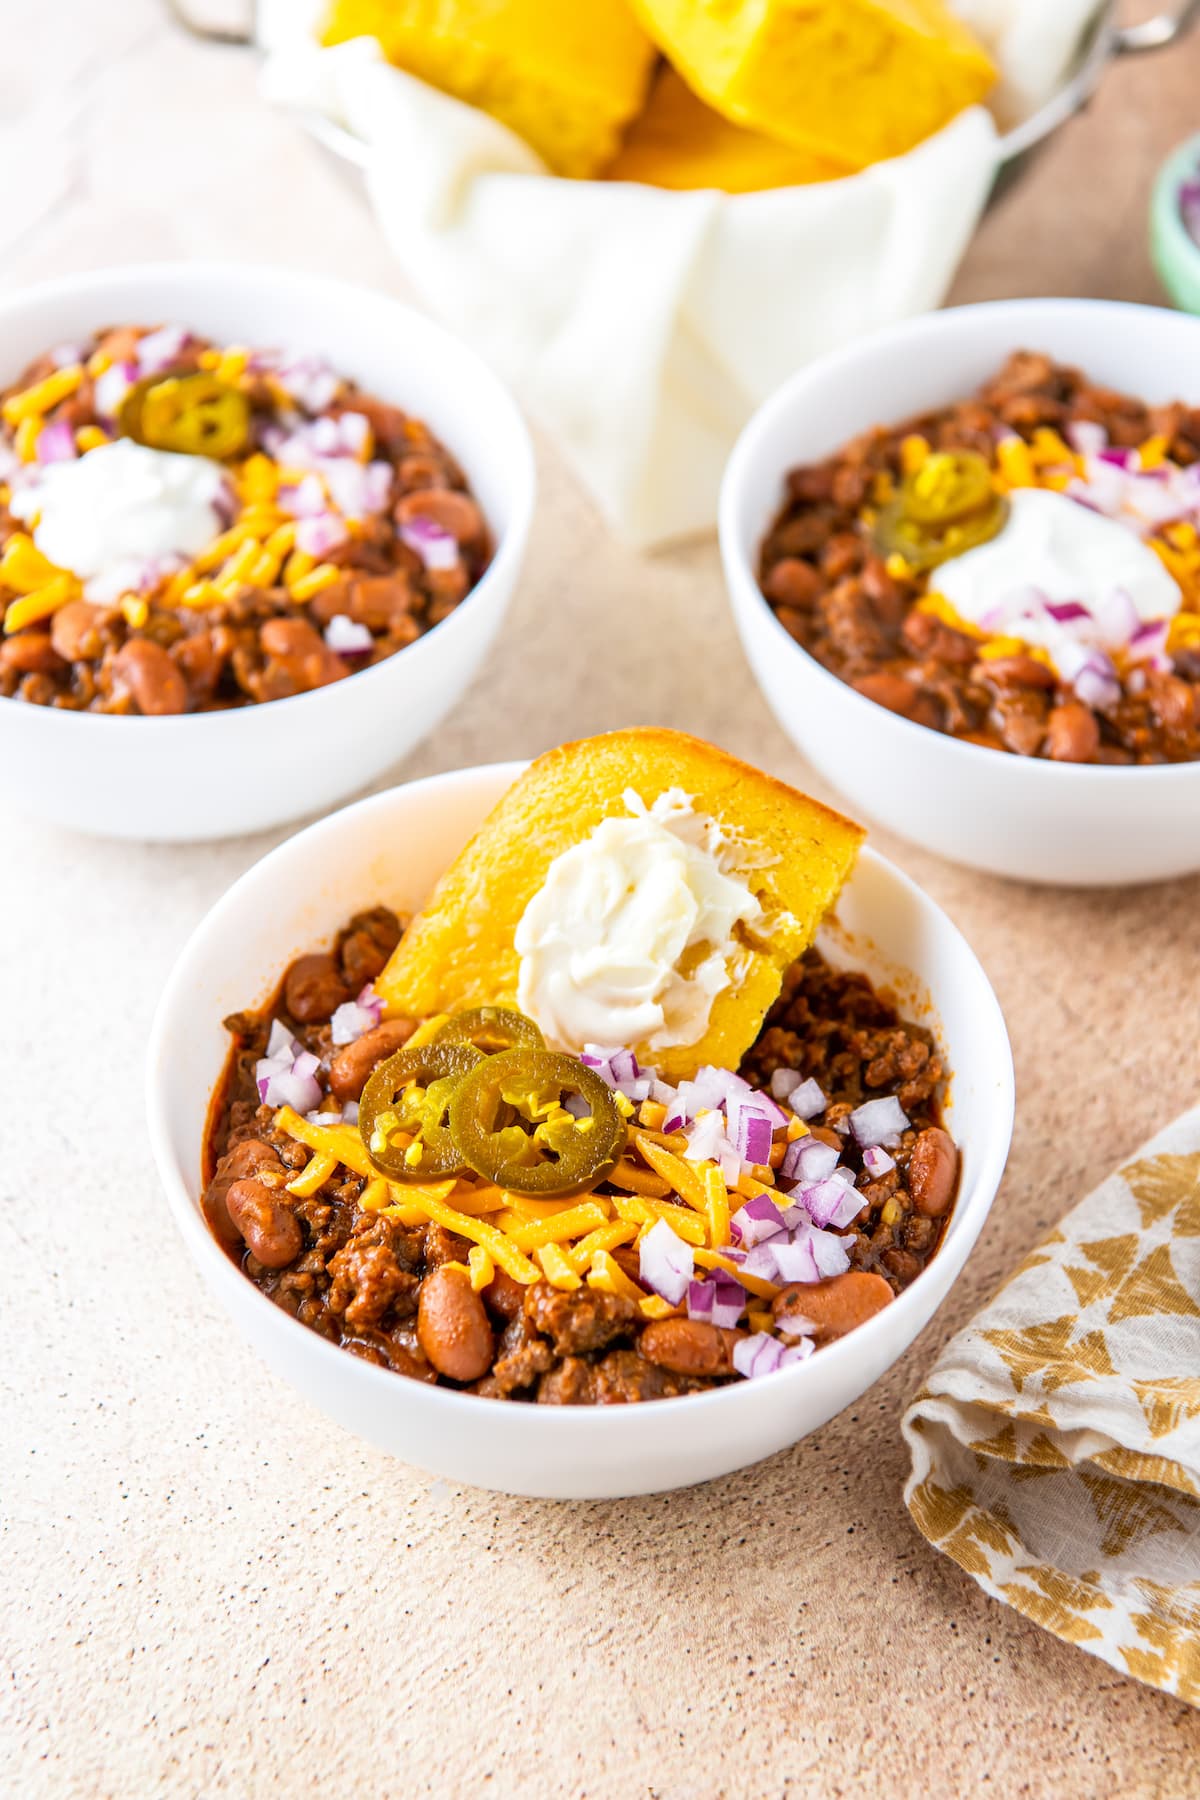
column 855, row 80
column 567, row 79
column 791, row 851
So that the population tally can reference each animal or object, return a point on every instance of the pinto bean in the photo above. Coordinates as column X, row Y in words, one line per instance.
column 454, row 512
column 313, row 988
column 453, row 1327
column 1072, row 734
column 30, row 653
column 1014, row 672
column 270, row 1228
column 299, row 659
column 504, row 1296
column 1172, row 701
column 145, row 671
column 892, row 691
column 933, row 1171
column 350, row 1066
column 74, row 630
column 792, row 582
column 689, row 1346
column 375, row 601
column 835, row 1306
column 248, row 1158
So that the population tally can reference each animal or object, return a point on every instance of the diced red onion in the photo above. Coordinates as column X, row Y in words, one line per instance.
column 878, row 1122
column 354, row 1018
column 810, row 1254
column 347, row 637
column 760, row 1218
column 111, row 386
column 753, row 1139
column 306, row 379
column 1087, row 437
column 281, row 1041
column 56, row 443
column 758, row 1354
column 666, row 1262
column 576, row 1105
column 436, row 547
column 350, row 1112
column 761, row 1261
column 795, row 1325
column 355, row 432
column 798, row 1352
column 1066, row 611
column 807, row 1100
column 320, row 533
column 68, row 356
column 304, row 499
column 718, row 1301
column 783, row 1081
column 808, row 1159
column 830, row 1202
column 876, row 1161
column 159, row 349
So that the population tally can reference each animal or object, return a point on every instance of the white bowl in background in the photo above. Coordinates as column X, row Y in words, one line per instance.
column 208, row 775
column 1011, row 815
column 390, row 848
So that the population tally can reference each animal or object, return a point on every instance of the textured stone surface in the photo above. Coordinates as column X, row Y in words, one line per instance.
column 205, row 1587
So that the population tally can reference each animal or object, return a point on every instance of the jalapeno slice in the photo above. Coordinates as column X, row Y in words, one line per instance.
column 924, row 547
column 509, row 1123
column 407, row 1097
column 492, row 1029
column 195, row 415
column 948, row 485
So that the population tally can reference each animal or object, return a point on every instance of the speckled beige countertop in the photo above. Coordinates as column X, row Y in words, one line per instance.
column 206, row 1588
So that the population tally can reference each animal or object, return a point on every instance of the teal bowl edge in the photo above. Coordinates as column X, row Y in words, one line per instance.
column 1173, row 251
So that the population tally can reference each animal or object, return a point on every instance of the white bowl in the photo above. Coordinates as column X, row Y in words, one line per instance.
column 1012, row 815
column 210, row 775
column 390, row 848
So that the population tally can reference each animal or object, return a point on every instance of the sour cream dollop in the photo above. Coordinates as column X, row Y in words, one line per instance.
column 119, row 504
column 1052, row 548
column 630, row 938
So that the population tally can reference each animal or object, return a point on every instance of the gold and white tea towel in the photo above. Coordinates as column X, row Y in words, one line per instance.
column 1056, row 1443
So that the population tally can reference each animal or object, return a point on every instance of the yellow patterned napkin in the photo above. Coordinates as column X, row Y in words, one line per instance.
column 1056, row 1443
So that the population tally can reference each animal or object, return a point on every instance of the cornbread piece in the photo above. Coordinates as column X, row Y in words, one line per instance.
column 679, row 142
column 855, row 80
column 792, row 853
column 567, row 79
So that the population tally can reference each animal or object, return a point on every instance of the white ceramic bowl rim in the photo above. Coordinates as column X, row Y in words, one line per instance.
column 508, row 550
column 182, row 1184
column 909, row 333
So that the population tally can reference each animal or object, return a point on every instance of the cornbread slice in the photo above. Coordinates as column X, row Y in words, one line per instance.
column 567, row 79
column 792, row 852
column 679, row 142
column 855, row 80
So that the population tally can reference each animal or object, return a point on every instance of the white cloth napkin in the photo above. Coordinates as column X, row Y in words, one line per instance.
column 643, row 327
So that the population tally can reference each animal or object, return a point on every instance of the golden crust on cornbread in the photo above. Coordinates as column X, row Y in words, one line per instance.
column 793, row 853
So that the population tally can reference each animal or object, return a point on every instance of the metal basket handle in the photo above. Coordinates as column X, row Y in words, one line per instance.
column 1156, row 33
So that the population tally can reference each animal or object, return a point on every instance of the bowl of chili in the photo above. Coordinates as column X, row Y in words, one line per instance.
column 1039, row 739
column 258, row 531
column 293, row 937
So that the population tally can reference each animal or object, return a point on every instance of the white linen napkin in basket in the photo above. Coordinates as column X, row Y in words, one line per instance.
column 643, row 326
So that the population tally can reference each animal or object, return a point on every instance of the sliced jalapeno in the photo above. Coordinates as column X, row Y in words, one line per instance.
column 509, row 1124
column 406, row 1098
column 195, row 415
column 924, row 547
column 948, row 485
column 491, row 1029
